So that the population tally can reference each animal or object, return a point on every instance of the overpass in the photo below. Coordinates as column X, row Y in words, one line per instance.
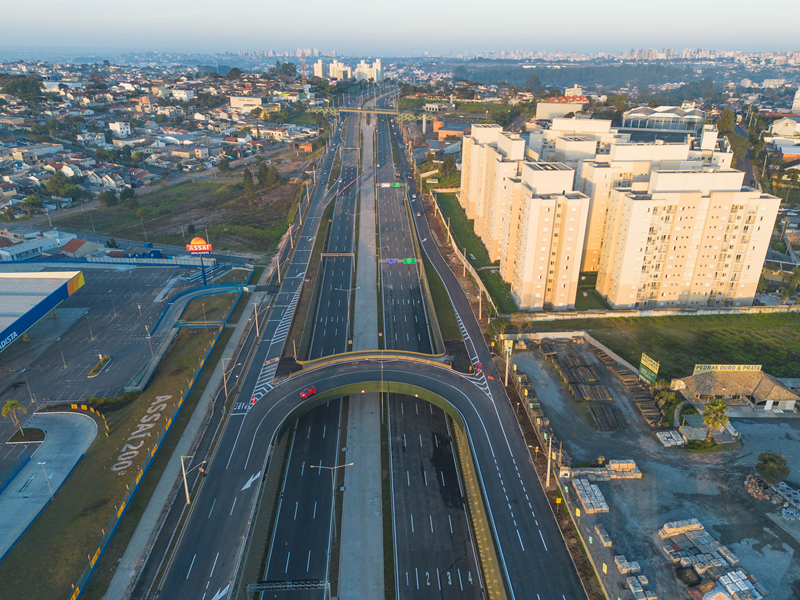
column 330, row 111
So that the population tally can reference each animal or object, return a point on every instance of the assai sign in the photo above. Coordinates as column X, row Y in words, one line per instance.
column 198, row 246
column 648, row 369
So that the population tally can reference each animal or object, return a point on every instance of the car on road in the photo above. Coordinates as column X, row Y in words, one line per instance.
column 414, row 196
column 479, row 367
column 308, row 392
column 419, row 214
column 411, row 177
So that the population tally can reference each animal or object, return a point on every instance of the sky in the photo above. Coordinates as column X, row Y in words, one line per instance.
column 391, row 28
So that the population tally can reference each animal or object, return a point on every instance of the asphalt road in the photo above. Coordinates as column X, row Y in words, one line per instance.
column 209, row 545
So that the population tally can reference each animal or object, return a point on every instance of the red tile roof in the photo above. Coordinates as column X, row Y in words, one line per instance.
column 73, row 245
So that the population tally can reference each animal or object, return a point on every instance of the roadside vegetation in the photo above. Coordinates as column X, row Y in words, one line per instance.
column 209, row 308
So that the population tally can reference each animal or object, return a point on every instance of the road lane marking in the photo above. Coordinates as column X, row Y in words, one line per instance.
column 541, row 536
column 296, row 504
column 431, row 520
column 308, row 562
column 520, row 540
column 315, row 511
column 412, row 523
column 190, row 566
column 213, row 566
column 449, row 520
column 286, row 570
column 212, row 508
column 234, row 504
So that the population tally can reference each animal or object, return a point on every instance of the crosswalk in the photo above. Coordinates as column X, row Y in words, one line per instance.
column 264, row 382
column 286, row 320
column 477, row 379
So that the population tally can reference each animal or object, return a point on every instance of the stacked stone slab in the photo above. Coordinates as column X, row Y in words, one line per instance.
column 637, row 586
column 616, row 469
column 625, row 567
column 590, row 497
column 671, row 439
column 740, row 586
column 605, row 539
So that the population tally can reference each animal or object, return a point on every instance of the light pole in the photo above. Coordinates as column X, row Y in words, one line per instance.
column 64, row 360
column 205, row 323
column 47, row 480
column 147, row 329
column 333, row 489
column 90, row 326
column 225, row 375
column 144, row 230
column 185, row 473
column 255, row 316
column 33, row 400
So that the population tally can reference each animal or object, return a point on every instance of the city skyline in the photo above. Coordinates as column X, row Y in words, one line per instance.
column 416, row 29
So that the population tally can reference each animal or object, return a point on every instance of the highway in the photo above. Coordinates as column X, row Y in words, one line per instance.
column 533, row 557
column 209, row 545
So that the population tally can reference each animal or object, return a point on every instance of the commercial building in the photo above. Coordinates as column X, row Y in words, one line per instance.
column 559, row 106
column 663, row 119
column 737, row 388
column 245, row 103
column 693, row 238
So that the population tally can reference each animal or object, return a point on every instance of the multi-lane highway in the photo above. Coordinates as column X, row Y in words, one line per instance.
column 533, row 557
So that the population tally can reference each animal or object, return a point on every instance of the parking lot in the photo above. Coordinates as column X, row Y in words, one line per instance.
column 109, row 315
column 677, row 484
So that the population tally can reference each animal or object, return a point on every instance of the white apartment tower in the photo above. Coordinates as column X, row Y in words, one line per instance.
column 693, row 238
column 338, row 71
column 543, row 237
column 319, row 69
column 365, row 71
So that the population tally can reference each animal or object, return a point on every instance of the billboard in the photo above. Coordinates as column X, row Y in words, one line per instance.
column 648, row 369
column 198, row 246
column 728, row 368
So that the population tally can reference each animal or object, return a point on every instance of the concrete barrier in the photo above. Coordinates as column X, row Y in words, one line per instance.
column 317, row 363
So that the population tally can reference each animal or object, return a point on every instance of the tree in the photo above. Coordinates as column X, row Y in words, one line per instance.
column 107, row 199
column 224, row 165
column 726, row 121
column 141, row 213
column 273, row 176
column 137, row 157
column 262, row 174
column 126, row 194
column 131, row 204
column 31, row 203
column 11, row 407
column 111, row 243
column 714, row 416
column 448, row 166
column 534, row 84
column 771, row 466
column 71, row 191
column 234, row 73
column 160, row 118
column 191, row 229
column 56, row 184
column 247, row 182
column 792, row 182
column 289, row 69
column 498, row 326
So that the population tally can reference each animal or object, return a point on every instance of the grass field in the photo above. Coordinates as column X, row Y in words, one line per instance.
column 51, row 554
column 233, row 221
column 679, row 343
column 445, row 314
column 234, row 276
column 463, row 230
column 215, row 307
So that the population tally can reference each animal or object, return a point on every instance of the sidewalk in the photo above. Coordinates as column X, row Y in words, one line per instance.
column 361, row 551
column 68, row 436
column 160, row 502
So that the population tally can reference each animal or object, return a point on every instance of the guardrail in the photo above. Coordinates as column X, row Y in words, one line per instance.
column 372, row 355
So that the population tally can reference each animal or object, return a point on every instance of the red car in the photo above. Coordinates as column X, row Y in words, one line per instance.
column 479, row 367
column 309, row 391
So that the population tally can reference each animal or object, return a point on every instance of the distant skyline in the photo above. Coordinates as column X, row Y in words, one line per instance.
column 356, row 27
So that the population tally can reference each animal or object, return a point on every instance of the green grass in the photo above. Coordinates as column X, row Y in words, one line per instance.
column 592, row 301
column 28, row 434
column 463, row 230
column 678, row 343
column 241, row 305
column 233, row 221
column 441, row 302
column 336, row 170
column 453, row 181
column 208, row 308
column 239, row 276
column 499, row 290
column 703, row 446
column 48, row 558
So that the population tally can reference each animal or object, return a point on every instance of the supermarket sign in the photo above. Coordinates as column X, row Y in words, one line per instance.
column 198, row 246
column 648, row 369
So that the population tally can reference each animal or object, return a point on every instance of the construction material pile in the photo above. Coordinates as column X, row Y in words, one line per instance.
column 590, row 497
column 637, row 587
column 607, row 418
column 605, row 539
column 758, row 489
column 671, row 438
column 626, row 567
column 692, row 546
column 616, row 469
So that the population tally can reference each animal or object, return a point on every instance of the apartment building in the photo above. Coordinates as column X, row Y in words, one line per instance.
column 629, row 164
column 365, row 71
column 543, row 237
column 490, row 158
column 319, row 69
column 338, row 71
column 693, row 238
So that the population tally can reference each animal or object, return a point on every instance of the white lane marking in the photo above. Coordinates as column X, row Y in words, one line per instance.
column 431, row 519
column 214, row 566
column 315, row 511
column 460, row 583
column 234, row 504
column 416, row 574
column 250, row 481
column 286, row 570
column 221, row 593
column 190, row 566
column 302, row 468
column 212, row 508
column 308, row 562
column 296, row 504
column 541, row 536
column 412, row 523
column 442, row 474
column 408, row 479
column 425, row 475
column 520, row 540
column 449, row 520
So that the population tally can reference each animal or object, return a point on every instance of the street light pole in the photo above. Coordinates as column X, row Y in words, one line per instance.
column 205, row 322
column 226, row 374
column 64, row 360
column 183, row 471
column 47, row 480
column 333, row 489
column 255, row 316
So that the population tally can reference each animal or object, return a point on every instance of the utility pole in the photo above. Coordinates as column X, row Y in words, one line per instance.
column 186, row 485
column 508, row 359
column 255, row 316
column 549, row 458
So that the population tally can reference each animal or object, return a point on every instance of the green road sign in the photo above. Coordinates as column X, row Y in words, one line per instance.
column 409, row 261
column 397, row 185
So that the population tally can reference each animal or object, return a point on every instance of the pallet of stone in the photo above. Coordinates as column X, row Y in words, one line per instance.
column 739, row 586
column 548, row 349
column 670, row 439
column 626, row 567
column 674, row 528
column 605, row 539
column 607, row 418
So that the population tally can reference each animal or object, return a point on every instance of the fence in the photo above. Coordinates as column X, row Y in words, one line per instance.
column 168, row 262
column 109, row 530
column 16, row 467
column 460, row 255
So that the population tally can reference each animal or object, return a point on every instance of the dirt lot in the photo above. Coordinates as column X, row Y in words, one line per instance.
column 677, row 484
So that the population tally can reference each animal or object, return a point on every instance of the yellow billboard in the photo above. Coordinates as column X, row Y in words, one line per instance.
column 728, row 368
column 650, row 363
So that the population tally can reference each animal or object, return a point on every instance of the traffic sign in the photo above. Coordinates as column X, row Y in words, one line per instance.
column 392, row 261
column 383, row 185
column 409, row 261
column 397, row 185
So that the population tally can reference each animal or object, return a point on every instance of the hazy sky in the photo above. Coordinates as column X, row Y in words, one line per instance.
column 381, row 27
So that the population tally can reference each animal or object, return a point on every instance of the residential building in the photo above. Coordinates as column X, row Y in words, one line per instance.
column 785, row 127
column 663, row 119
column 338, row 71
column 245, row 103
column 120, row 129
column 184, row 95
column 556, row 107
column 693, row 238
column 366, row 72
column 319, row 69
column 796, row 102
column 542, row 237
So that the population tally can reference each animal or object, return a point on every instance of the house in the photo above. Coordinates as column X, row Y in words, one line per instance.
column 145, row 251
column 28, row 249
column 120, row 129
column 736, row 388
column 78, row 248
column 788, row 126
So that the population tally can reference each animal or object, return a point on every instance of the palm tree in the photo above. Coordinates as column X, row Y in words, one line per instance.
column 714, row 416
column 12, row 406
